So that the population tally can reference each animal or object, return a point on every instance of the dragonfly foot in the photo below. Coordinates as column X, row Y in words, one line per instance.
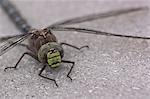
column 74, row 46
column 86, row 46
column 9, row 68
column 69, row 77
column 56, row 83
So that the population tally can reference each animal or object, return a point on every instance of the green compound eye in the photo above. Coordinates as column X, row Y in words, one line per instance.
column 54, row 58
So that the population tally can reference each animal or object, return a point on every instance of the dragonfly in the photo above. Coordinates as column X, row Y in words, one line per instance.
column 43, row 45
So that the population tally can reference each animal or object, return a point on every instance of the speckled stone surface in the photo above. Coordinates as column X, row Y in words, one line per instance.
column 113, row 67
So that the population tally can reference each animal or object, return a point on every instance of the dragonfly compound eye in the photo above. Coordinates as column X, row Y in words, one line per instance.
column 53, row 58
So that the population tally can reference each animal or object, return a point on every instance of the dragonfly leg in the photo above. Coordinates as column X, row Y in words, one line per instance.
column 40, row 74
column 86, row 46
column 65, row 61
column 26, row 53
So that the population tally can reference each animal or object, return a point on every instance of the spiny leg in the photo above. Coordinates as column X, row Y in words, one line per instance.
column 74, row 46
column 40, row 74
column 26, row 53
column 65, row 61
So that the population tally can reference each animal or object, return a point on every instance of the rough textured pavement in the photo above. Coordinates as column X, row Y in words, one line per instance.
column 113, row 67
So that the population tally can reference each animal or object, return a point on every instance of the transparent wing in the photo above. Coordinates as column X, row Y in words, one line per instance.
column 2, row 39
column 98, row 16
column 90, row 31
column 11, row 41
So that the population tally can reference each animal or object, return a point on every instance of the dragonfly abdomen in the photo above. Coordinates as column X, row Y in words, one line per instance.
column 15, row 16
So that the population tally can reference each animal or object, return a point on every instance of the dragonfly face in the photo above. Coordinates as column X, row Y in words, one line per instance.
column 51, row 53
column 53, row 58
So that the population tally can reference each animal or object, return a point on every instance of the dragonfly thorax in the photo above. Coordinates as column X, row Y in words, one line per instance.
column 39, row 38
column 51, row 53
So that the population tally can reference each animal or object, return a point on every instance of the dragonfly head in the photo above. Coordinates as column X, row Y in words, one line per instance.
column 51, row 53
column 53, row 58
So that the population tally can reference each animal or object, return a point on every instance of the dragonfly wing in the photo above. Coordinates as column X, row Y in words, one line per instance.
column 2, row 39
column 96, row 32
column 98, row 16
column 12, row 42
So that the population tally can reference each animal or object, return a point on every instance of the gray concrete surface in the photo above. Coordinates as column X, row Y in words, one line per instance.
column 113, row 67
